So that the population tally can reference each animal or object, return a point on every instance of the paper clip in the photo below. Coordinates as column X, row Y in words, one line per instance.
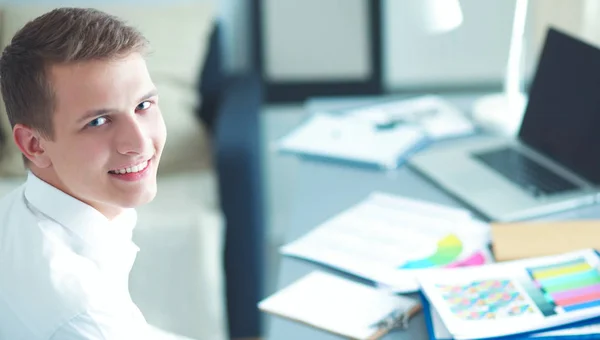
column 397, row 319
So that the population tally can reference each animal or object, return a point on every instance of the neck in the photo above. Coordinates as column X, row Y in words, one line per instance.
column 49, row 176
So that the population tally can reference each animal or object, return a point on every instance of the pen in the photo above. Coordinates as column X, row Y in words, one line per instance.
column 399, row 119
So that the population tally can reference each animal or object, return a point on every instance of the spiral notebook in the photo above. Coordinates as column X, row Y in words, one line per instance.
column 341, row 306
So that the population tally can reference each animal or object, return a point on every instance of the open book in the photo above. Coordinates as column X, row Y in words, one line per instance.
column 518, row 297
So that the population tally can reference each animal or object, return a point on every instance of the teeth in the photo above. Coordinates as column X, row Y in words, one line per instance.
column 135, row 168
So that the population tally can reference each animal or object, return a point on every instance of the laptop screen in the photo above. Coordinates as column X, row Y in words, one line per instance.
column 562, row 119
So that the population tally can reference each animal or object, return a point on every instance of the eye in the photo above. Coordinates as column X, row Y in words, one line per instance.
column 98, row 122
column 143, row 106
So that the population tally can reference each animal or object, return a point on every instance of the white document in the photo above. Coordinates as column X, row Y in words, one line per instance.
column 436, row 116
column 390, row 239
column 351, row 139
column 339, row 305
column 515, row 297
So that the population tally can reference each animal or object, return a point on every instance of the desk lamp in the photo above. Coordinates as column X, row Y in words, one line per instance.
column 436, row 16
column 501, row 112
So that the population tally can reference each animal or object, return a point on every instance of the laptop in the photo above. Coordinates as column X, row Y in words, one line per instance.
column 554, row 162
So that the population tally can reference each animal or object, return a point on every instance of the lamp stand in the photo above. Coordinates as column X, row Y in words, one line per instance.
column 498, row 114
column 502, row 113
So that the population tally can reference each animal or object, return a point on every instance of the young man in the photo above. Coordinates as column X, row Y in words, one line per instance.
column 85, row 116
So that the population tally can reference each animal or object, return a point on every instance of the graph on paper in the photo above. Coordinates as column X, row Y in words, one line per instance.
column 564, row 287
column 518, row 296
column 389, row 239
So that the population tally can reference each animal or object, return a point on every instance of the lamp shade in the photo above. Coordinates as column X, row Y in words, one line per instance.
column 436, row 16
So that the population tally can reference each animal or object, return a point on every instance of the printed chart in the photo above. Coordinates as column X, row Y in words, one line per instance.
column 390, row 240
column 448, row 250
column 485, row 300
column 529, row 295
column 447, row 255
column 564, row 287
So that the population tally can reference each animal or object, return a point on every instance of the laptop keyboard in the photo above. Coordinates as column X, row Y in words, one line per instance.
column 525, row 172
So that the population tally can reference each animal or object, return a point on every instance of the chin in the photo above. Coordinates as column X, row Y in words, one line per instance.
column 138, row 200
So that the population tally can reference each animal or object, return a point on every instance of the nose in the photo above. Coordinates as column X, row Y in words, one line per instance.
column 131, row 136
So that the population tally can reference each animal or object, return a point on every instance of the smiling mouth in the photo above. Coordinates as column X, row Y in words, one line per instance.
column 133, row 169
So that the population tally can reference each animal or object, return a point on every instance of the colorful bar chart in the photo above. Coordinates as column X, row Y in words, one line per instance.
column 570, row 286
column 448, row 250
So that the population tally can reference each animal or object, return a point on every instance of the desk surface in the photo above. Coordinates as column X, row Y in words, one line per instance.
column 321, row 190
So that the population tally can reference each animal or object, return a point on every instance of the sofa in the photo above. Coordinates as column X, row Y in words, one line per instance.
column 199, row 270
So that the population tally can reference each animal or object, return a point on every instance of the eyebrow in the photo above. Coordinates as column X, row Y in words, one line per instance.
column 101, row 112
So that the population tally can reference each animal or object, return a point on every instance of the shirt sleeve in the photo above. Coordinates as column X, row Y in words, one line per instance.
column 87, row 326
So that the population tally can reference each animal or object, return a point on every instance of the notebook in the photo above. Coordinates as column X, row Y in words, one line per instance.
column 341, row 306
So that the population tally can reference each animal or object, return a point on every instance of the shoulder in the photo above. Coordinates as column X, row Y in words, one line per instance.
column 42, row 301
column 44, row 282
column 102, row 324
column 11, row 200
column 16, row 220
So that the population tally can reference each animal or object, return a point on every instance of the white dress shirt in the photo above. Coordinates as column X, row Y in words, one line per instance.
column 64, row 269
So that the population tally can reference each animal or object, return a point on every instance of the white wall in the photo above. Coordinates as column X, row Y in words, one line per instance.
column 327, row 39
column 476, row 52
column 311, row 40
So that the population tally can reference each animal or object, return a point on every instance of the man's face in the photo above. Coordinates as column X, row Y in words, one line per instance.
column 108, row 133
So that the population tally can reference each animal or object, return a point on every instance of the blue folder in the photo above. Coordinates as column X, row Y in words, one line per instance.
column 529, row 335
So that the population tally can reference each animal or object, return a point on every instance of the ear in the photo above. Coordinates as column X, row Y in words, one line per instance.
column 29, row 142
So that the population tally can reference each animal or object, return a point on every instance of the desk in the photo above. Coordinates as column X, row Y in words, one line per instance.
column 321, row 190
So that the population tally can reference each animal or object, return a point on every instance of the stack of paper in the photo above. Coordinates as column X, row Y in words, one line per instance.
column 435, row 116
column 341, row 306
column 390, row 240
column 346, row 139
column 532, row 298
column 384, row 134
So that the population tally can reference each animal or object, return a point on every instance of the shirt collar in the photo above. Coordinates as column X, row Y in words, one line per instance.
column 82, row 219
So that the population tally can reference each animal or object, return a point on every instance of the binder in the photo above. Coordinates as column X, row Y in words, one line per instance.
column 341, row 306
column 540, row 335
